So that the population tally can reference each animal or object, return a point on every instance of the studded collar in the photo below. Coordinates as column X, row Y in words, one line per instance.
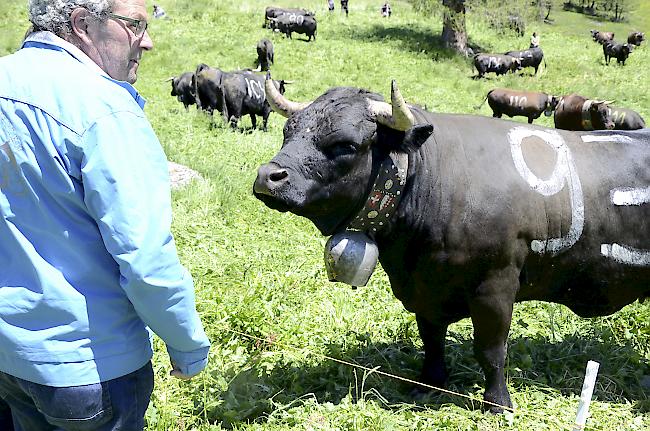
column 385, row 195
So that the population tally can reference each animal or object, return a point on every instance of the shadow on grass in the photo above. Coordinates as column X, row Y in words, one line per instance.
column 533, row 364
column 412, row 38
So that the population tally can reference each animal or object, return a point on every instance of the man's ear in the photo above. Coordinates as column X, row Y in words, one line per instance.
column 79, row 21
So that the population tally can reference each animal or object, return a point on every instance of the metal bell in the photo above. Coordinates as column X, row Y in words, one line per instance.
column 350, row 257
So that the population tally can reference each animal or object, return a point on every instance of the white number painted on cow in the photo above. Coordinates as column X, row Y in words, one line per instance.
column 624, row 196
column 564, row 173
column 518, row 101
column 617, row 116
column 255, row 89
column 494, row 62
column 295, row 18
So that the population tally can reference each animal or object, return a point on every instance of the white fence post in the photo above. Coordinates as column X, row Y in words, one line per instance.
column 585, row 395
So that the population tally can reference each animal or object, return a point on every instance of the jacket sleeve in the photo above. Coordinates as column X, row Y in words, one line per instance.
column 126, row 190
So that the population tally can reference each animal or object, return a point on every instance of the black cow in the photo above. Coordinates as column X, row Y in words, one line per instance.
column 531, row 57
column 485, row 212
column 520, row 103
column 602, row 36
column 635, row 38
column 497, row 63
column 234, row 94
column 575, row 112
column 620, row 51
column 291, row 23
column 183, row 89
column 625, row 119
column 264, row 54
column 275, row 12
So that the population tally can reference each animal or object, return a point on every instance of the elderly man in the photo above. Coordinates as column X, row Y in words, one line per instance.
column 88, row 260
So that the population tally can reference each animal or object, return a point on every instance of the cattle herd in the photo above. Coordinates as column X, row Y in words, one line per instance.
column 571, row 112
column 241, row 92
column 467, row 220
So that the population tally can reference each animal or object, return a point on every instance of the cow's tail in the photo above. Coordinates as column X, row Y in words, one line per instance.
column 477, row 107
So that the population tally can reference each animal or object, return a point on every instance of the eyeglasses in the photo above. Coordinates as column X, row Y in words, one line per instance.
column 139, row 25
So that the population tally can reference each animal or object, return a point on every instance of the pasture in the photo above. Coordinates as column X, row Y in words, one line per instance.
column 294, row 351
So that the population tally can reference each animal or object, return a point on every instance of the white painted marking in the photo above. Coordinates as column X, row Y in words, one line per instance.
column 563, row 173
column 625, row 254
column 607, row 138
column 630, row 196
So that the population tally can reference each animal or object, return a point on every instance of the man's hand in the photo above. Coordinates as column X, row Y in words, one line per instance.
column 176, row 372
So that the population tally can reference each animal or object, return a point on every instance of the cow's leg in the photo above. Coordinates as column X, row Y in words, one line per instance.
column 434, row 371
column 253, row 120
column 497, row 114
column 530, row 120
column 265, row 120
column 491, row 313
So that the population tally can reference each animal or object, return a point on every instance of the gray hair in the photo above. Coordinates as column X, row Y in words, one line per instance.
column 54, row 15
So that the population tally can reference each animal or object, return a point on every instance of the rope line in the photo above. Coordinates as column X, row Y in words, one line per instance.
column 396, row 377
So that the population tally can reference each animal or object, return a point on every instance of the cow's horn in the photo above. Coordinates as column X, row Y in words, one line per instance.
column 168, row 79
column 396, row 114
column 278, row 102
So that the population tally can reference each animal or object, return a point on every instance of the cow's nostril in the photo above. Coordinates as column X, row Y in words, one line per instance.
column 278, row 175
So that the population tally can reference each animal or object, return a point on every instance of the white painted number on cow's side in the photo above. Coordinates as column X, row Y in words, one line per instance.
column 255, row 89
column 623, row 196
column 518, row 101
column 298, row 19
column 564, row 173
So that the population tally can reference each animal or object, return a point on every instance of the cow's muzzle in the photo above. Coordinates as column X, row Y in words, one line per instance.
column 270, row 178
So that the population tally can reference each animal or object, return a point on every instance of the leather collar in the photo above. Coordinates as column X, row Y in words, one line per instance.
column 586, row 115
column 386, row 192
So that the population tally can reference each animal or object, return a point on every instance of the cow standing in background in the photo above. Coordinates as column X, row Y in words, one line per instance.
column 619, row 51
column 234, row 94
column 264, row 54
column 625, row 119
column 531, row 57
column 291, row 23
column 635, row 38
column 470, row 214
column 275, row 12
column 183, row 89
column 575, row 112
column 497, row 63
column 344, row 7
column 515, row 103
column 602, row 36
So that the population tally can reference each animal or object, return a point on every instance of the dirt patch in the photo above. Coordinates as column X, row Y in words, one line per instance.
column 180, row 175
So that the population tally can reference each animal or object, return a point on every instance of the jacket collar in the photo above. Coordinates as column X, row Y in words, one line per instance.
column 48, row 40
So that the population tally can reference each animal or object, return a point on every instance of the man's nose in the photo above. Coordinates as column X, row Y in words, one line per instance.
column 145, row 42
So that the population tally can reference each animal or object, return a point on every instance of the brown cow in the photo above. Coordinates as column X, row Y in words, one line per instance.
column 635, row 38
column 602, row 36
column 575, row 112
column 520, row 103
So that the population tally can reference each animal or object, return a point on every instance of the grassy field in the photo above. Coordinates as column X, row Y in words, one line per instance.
column 279, row 329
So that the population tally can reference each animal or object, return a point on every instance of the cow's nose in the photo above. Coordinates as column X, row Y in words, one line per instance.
column 269, row 178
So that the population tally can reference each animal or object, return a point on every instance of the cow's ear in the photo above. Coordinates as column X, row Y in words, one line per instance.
column 416, row 136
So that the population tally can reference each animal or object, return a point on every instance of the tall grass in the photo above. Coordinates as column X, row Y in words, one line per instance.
column 262, row 291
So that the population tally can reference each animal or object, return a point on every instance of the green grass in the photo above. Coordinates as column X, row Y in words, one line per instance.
column 260, row 273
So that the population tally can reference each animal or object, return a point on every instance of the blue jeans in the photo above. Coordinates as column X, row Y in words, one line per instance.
column 118, row 404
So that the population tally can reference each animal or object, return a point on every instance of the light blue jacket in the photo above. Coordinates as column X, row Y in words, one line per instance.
column 87, row 260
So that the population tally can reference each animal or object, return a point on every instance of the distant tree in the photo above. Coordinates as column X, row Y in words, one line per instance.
column 454, row 31
column 503, row 15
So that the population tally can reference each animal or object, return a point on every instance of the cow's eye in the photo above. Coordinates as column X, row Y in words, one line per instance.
column 338, row 149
